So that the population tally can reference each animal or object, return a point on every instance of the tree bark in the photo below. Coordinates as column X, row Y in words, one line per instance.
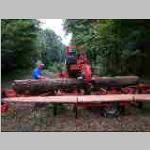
column 35, row 87
column 115, row 81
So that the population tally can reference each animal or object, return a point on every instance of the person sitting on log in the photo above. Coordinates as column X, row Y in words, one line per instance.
column 37, row 72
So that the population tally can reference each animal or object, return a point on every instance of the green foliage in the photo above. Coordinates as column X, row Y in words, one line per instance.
column 19, row 41
column 55, row 67
column 115, row 47
column 52, row 47
column 24, row 43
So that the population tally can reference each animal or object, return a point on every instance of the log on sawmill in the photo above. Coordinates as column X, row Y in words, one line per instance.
column 35, row 87
column 117, row 81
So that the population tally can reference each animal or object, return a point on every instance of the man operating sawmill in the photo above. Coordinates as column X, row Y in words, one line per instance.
column 37, row 72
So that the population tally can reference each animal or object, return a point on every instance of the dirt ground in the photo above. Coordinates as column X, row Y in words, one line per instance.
column 23, row 118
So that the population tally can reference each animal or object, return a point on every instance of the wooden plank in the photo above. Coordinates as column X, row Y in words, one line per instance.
column 142, row 97
column 105, row 98
column 81, row 99
column 43, row 99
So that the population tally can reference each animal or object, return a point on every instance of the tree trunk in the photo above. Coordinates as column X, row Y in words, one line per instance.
column 115, row 81
column 35, row 87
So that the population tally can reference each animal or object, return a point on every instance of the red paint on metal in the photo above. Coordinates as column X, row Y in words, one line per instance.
column 10, row 93
column 4, row 107
column 63, row 75
column 144, row 85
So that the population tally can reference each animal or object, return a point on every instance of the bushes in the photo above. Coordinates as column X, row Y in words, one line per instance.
column 55, row 67
column 19, row 37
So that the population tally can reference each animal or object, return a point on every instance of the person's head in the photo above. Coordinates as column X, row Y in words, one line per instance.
column 41, row 66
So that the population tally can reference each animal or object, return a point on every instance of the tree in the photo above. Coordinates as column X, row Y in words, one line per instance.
column 52, row 47
column 115, row 47
column 18, row 43
column 24, row 43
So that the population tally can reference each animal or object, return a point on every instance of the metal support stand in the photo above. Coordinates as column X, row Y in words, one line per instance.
column 140, row 105
column 76, row 110
column 55, row 109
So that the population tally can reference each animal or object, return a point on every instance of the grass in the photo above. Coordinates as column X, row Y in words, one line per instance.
column 16, row 74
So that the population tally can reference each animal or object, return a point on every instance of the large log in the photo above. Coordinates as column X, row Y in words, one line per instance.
column 35, row 87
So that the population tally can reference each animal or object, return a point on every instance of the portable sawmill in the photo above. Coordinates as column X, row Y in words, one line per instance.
column 79, row 86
